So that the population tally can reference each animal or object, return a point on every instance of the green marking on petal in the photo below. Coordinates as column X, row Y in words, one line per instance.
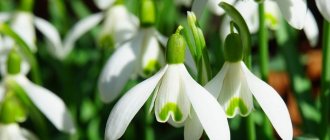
column 171, row 107
column 106, row 42
column 151, row 68
column 271, row 20
column 234, row 103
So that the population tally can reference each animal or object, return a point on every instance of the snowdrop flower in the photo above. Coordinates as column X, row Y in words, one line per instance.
column 235, row 85
column 141, row 54
column 119, row 26
column 176, row 97
column 46, row 101
column 294, row 11
column 324, row 8
column 14, row 132
column 249, row 11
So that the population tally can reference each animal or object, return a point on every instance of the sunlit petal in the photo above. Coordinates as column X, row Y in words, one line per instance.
column 49, row 104
column 271, row 103
column 126, row 108
column 118, row 69
column 208, row 110
column 294, row 11
column 311, row 29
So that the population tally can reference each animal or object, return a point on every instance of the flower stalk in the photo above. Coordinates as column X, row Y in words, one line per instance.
column 325, row 82
column 27, row 5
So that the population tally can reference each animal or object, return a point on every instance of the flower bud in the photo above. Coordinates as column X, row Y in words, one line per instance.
column 175, row 50
column 147, row 13
column 13, row 62
column 233, row 48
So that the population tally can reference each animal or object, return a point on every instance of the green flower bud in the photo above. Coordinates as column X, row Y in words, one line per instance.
column 13, row 63
column 11, row 110
column 175, row 50
column 147, row 13
column 233, row 48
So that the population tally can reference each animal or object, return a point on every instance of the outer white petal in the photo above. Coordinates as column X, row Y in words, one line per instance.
column 52, row 35
column 324, row 8
column 225, row 28
column 215, row 8
column 4, row 16
column 118, row 70
column 294, row 11
column 193, row 129
column 126, row 108
column 161, row 38
column 208, row 110
column 311, row 30
column 272, row 14
column 214, row 86
column 171, row 92
column 78, row 30
column 103, row 4
column 49, row 104
column 120, row 24
column 22, row 24
column 272, row 104
column 13, row 132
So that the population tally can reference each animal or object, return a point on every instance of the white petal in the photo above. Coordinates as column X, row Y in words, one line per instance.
column 311, row 30
column 103, row 4
column 198, row 6
column 225, row 28
column 272, row 14
column 126, row 108
column 49, row 104
column 161, row 38
column 11, row 132
column 271, row 103
column 215, row 85
column 118, row 70
column 22, row 24
column 294, row 11
column 2, row 91
column 171, row 100
column 193, row 129
column 120, row 24
column 249, row 10
column 215, row 8
column 183, row 2
column 52, row 35
column 208, row 110
column 324, row 8
column 4, row 16
column 80, row 29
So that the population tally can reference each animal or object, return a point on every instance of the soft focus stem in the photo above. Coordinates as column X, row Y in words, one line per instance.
column 263, row 43
column 325, row 82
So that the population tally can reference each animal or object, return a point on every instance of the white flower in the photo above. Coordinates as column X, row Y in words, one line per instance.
column 294, row 11
column 234, row 87
column 46, row 101
column 324, row 8
column 176, row 97
column 142, row 54
column 249, row 11
column 14, row 132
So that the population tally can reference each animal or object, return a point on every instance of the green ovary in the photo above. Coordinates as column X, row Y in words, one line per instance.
column 171, row 107
column 234, row 103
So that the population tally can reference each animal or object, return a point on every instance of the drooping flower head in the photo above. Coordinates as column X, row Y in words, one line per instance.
column 176, row 99
column 235, row 86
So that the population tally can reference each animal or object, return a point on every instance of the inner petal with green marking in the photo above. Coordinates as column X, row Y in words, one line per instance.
column 171, row 109
column 151, row 67
column 236, row 105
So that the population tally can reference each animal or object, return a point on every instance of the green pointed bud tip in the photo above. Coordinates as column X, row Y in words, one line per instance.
column 13, row 62
column 233, row 48
column 175, row 50
column 147, row 13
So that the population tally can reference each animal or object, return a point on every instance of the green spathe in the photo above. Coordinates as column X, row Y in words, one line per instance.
column 234, row 103
column 233, row 48
column 175, row 50
column 13, row 63
column 171, row 108
column 147, row 13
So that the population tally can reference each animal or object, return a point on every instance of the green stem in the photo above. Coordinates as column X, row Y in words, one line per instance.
column 264, row 60
column 325, row 82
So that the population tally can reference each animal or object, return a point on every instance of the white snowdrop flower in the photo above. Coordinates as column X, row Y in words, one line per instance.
column 177, row 99
column 249, row 11
column 14, row 132
column 46, row 101
column 294, row 11
column 235, row 86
